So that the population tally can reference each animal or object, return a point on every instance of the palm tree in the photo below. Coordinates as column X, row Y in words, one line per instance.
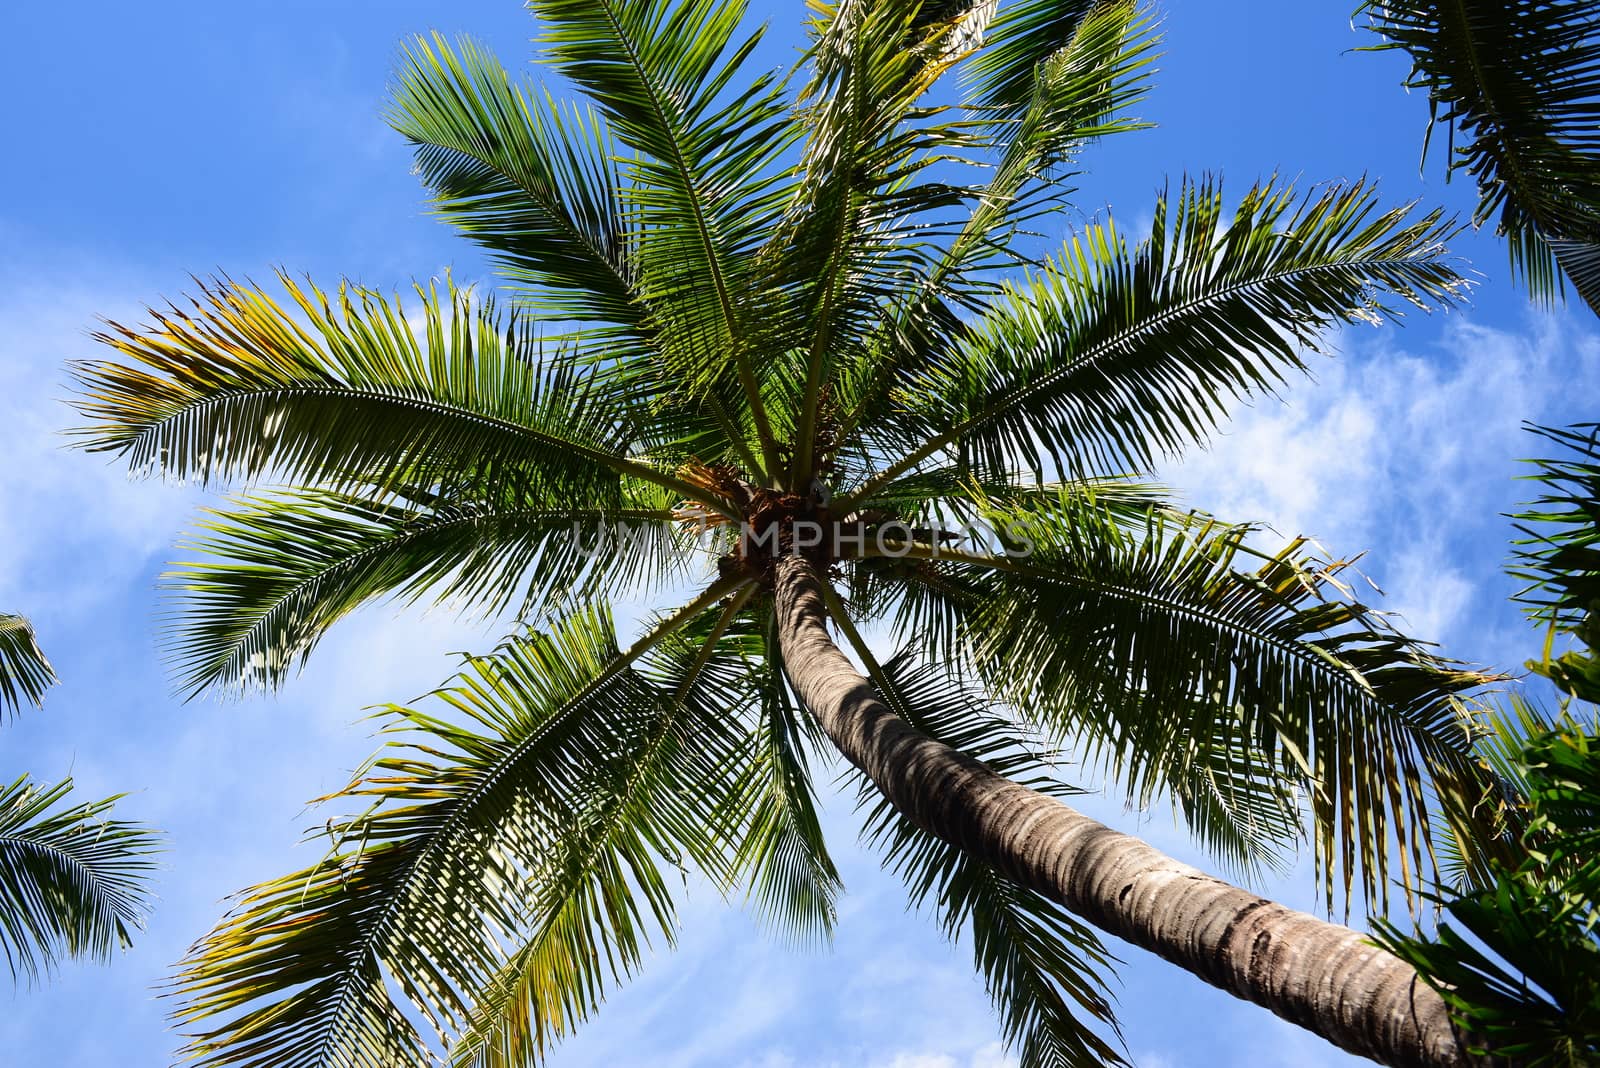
column 72, row 882
column 764, row 339
column 1527, row 981
column 1519, row 83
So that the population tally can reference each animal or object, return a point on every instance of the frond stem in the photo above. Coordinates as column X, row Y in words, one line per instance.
column 620, row 464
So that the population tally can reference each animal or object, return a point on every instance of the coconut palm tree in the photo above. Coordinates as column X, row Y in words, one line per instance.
column 777, row 340
column 72, row 882
column 1519, row 84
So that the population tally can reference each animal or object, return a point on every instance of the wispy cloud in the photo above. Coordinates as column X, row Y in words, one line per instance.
column 71, row 522
column 1408, row 454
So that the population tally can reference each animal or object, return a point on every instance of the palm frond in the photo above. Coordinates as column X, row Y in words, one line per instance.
column 351, row 393
column 794, row 883
column 544, row 804
column 586, row 899
column 73, row 882
column 1517, row 86
column 851, row 234
column 539, row 184
column 1580, row 261
column 25, row 674
column 1045, row 971
column 1024, row 37
column 1242, row 803
column 1080, row 83
column 1181, row 670
column 1480, row 821
column 1559, row 559
column 871, row 63
column 959, row 496
column 1084, row 66
column 1109, row 358
column 535, row 183
column 1559, row 554
column 703, row 189
column 948, row 506
column 278, row 570
column 1526, row 983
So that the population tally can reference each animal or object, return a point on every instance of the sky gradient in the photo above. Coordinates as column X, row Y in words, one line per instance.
column 152, row 142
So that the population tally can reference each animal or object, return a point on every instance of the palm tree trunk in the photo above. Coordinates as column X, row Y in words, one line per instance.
column 1322, row 976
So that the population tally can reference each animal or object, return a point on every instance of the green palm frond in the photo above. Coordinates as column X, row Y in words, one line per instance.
column 1108, row 358
column 603, row 866
column 1518, row 88
column 540, row 187
column 957, row 496
column 1232, row 797
column 703, row 189
column 279, row 570
column 1080, row 84
column 1479, row 823
column 1103, row 634
column 73, row 882
column 659, row 71
column 1558, row 556
column 869, row 137
column 1518, row 977
column 1020, row 42
column 1518, row 957
column 794, row 884
column 534, row 182
column 949, row 506
column 544, row 804
column 1580, row 262
column 1045, row 971
column 25, row 674
column 1085, row 65
column 351, row 393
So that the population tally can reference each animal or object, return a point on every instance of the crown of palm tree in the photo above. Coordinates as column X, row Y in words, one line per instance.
column 743, row 298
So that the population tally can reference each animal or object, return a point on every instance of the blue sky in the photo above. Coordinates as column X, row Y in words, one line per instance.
column 148, row 142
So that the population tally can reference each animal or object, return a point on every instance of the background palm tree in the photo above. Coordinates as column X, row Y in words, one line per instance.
column 72, row 882
column 1527, row 982
column 1518, row 86
column 751, row 302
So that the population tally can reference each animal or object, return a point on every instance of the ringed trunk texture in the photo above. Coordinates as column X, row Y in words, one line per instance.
column 1321, row 976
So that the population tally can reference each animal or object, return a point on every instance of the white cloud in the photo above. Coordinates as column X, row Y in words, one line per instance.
column 1154, row 1060
column 71, row 522
column 1407, row 454
column 992, row 1055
